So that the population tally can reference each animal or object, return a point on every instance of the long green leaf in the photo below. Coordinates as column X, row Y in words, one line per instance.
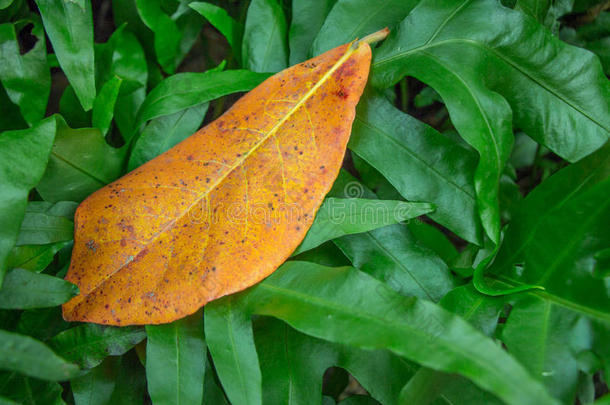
column 103, row 106
column 228, row 332
column 185, row 90
column 264, row 47
column 302, row 294
column 223, row 22
column 23, row 158
column 33, row 358
column 345, row 216
column 24, row 289
column 26, row 78
column 69, row 25
column 175, row 361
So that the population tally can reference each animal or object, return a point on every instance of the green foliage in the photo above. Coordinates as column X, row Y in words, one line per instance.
column 488, row 119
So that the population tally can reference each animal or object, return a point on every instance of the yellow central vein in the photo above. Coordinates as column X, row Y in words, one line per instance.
column 350, row 50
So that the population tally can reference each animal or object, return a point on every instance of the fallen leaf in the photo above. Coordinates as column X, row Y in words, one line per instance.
column 222, row 209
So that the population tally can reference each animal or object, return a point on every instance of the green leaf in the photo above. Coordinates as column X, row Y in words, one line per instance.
column 352, row 19
column 303, row 294
column 69, row 26
column 23, row 158
column 554, row 90
column 556, row 233
column 422, row 164
column 71, row 110
column 130, row 385
column 41, row 324
column 103, row 106
column 213, row 394
column 223, row 22
column 26, row 78
column 46, row 223
column 96, row 387
column 345, row 216
column 11, row 118
column 546, row 338
column 434, row 239
column 307, row 19
column 24, row 289
column 31, row 391
column 71, row 174
column 162, row 133
column 175, row 361
column 184, row 90
column 33, row 358
column 394, row 256
column 228, row 332
column 33, row 257
column 88, row 344
column 167, row 34
column 264, row 47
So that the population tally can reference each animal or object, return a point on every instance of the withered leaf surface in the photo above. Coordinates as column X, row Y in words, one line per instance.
column 224, row 208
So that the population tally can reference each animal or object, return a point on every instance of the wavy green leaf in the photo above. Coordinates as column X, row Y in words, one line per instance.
column 88, row 344
column 23, row 158
column 422, row 164
column 26, row 77
column 72, row 175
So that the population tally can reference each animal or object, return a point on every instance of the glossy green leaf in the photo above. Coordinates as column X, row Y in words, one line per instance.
column 352, row 19
column 434, row 239
column 31, row 391
column 223, row 22
column 264, row 47
column 307, row 18
column 167, row 34
column 175, row 361
column 69, row 26
column 212, row 393
column 11, row 118
column 547, row 338
column 71, row 174
column 72, row 111
column 46, row 223
column 303, row 294
column 554, row 90
column 33, row 257
column 534, row 251
column 130, row 385
column 162, row 133
column 184, row 90
column 33, row 358
column 24, row 289
column 228, row 332
column 23, row 158
column 26, row 78
column 88, row 344
column 419, row 162
column 103, row 106
column 96, row 387
column 345, row 216
column 42, row 323
column 395, row 257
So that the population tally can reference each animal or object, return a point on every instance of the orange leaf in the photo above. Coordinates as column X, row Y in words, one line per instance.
column 224, row 208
